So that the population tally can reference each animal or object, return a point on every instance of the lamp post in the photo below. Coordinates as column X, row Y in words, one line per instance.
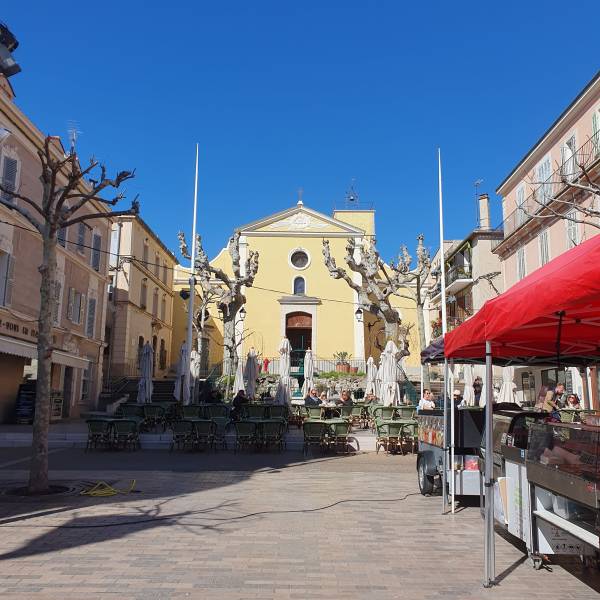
column 359, row 314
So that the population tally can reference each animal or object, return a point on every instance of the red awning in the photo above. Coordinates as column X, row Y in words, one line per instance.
column 525, row 320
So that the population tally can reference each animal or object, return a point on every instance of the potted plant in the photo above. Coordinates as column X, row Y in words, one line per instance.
column 342, row 365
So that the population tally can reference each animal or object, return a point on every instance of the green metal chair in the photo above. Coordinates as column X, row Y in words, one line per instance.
column 221, row 425
column 406, row 412
column 99, row 434
column 272, row 434
column 254, row 411
column 184, row 435
column 130, row 410
column 217, row 411
column 346, row 413
column 410, row 435
column 384, row 413
column 313, row 412
column 315, row 434
column 339, row 438
column 205, row 433
column 389, row 437
column 192, row 411
column 125, row 434
column 154, row 416
column 358, row 415
column 245, row 435
column 278, row 411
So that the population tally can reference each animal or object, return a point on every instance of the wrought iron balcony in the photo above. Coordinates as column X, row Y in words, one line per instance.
column 547, row 191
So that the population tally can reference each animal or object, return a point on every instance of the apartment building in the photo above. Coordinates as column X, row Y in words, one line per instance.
column 82, row 274
column 141, row 299
column 540, row 216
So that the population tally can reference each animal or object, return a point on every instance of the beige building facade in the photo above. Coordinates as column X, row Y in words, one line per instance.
column 80, row 314
column 141, row 299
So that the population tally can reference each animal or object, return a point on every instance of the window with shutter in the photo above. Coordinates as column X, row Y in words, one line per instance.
column 96, row 248
column 156, row 264
column 62, row 237
column 91, row 318
column 81, row 238
column 143, row 295
column 145, row 255
column 544, row 250
column 544, row 172
column 163, row 308
column 521, row 270
column 70, row 304
column 521, row 215
column 155, row 303
column 57, row 298
column 81, row 308
column 164, row 273
column 572, row 229
column 7, row 269
column 596, row 131
column 10, row 168
column 568, row 159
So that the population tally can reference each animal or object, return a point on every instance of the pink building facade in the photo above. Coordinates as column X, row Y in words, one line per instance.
column 540, row 215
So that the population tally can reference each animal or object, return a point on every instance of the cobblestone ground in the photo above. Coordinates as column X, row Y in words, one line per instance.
column 253, row 527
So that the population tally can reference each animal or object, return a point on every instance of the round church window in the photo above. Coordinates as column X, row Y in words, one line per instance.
column 299, row 259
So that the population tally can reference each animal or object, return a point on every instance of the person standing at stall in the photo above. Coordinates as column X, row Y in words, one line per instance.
column 560, row 396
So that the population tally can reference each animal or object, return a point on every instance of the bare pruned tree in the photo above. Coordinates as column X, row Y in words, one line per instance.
column 413, row 279
column 226, row 291
column 67, row 189
column 378, row 283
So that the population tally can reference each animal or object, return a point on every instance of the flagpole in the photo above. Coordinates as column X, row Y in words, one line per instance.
column 192, row 282
column 444, row 331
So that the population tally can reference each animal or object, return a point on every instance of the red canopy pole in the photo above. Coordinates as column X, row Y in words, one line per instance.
column 489, row 549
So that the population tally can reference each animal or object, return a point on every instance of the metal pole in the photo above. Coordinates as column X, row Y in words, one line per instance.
column 445, row 465
column 452, row 429
column 192, row 281
column 489, row 550
column 587, row 399
column 444, row 330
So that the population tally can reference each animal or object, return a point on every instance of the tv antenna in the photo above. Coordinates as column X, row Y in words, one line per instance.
column 73, row 130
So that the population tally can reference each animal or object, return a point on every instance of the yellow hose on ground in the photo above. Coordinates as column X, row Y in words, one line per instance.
column 103, row 489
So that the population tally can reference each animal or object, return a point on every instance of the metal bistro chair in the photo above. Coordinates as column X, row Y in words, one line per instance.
column 221, row 425
column 192, row 411
column 125, row 434
column 313, row 412
column 339, row 438
column 315, row 433
column 389, row 437
column 358, row 415
column 245, row 435
column 346, row 413
column 205, row 433
column 272, row 433
column 217, row 411
column 130, row 410
column 184, row 435
column 254, row 411
column 406, row 412
column 99, row 434
column 384, row 413
column 410, row 435
column 154, row 416
column 278, row 411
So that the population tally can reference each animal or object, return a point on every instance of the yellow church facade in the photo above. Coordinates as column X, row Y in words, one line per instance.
column 294, row 296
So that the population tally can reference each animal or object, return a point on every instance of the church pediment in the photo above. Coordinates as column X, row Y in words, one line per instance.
column 300, row 220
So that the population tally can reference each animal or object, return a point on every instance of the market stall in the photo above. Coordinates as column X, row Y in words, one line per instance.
column 528, row 323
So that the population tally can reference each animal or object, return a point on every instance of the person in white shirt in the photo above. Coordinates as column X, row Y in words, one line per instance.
column 426, row 402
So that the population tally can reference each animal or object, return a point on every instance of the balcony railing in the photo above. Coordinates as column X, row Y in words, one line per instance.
column 569, row 171
column 452, row 274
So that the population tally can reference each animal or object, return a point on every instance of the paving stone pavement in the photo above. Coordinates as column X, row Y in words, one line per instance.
column 254, row 527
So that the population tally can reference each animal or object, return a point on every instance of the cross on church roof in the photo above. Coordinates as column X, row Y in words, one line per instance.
column 300, row 192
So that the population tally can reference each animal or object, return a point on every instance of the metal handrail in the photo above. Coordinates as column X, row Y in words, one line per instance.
column 548, row 190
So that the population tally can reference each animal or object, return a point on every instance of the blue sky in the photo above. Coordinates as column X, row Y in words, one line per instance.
column 284, row 95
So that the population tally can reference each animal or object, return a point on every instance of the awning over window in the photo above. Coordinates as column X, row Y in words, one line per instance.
column 29, row 350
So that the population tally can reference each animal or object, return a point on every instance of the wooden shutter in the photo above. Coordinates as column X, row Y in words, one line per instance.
column 81, row 238
column 9, row 177
column 91, row 318
column 8, row 282
column 97, row 245
column 81, row 308
column 596, row 132
column 71, row 304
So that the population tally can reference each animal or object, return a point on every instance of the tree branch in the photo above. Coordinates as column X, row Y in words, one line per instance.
column 23, row 213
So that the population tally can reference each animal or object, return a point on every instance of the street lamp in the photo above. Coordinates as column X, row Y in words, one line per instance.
column 359, row 314
column 242, row 313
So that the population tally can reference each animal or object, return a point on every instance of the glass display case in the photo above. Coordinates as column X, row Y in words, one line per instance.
column 563, row 458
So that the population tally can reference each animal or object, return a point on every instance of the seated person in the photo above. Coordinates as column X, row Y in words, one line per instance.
column 238, row 402
column 426, row 402
column 573, row 402
column 370, row 399
column 323, row 398
column 345, row 399
column 312, row 399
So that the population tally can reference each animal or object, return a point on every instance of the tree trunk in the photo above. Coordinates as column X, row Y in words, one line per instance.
column 422, row 342
column 38, row 474
column 391, row 332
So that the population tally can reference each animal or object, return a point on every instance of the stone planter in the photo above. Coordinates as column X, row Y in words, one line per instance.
column 342, row 368
column 353, row 370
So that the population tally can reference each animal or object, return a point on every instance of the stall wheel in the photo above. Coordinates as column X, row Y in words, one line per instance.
column 536, row 561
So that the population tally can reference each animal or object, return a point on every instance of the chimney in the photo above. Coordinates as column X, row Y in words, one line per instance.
column 484, row 211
